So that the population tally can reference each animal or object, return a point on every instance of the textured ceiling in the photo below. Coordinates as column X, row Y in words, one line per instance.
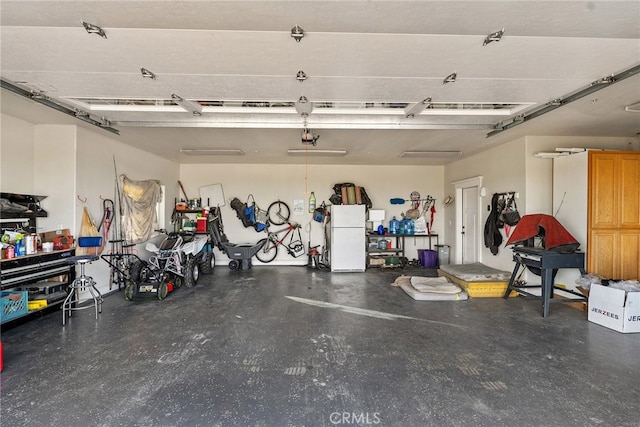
column 391, row 52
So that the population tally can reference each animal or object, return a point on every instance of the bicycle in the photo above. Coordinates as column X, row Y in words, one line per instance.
column 278, row 213
column 120, row 261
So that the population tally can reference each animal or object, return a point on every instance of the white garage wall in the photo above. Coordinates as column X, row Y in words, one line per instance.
column 54, row 171
column 63, row 162
column 287, row 182
column 16, row 155
column 513, row 167
column 502, row 169
column 95, row 178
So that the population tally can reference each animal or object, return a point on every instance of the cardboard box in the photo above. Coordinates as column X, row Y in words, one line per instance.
column 614, row 308
column 376, row 261
column 62, row 239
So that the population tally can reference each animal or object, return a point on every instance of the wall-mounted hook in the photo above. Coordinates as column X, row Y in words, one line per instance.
column 80, row 198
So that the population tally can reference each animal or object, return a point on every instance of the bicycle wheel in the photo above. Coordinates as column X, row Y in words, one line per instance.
column 278, row 213
column 268, row 252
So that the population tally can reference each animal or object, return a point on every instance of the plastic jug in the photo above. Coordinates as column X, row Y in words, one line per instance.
column 394, row 226
column 20, row 248
column 312, row 202
column 410, row 227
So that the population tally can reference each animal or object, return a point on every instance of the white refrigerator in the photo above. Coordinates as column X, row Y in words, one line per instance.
column 348, row 239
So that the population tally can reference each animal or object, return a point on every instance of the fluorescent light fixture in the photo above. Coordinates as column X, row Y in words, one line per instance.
column 316, row 153
column 550, row 155
column 192, row 107
column 212, row 152
column 430, row 153
column 633, row 108
column 571, row 150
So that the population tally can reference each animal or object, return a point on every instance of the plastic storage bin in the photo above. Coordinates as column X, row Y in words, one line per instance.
column 13, row 304
column 428, row 258
column 89, row 241
column 443, row 254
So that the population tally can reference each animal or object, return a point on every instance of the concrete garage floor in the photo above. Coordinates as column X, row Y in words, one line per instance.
column 235, row 351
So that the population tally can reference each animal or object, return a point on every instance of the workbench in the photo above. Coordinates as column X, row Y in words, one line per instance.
column 547, row 263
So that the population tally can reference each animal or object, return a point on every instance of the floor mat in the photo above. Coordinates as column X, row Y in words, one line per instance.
column 430, row 288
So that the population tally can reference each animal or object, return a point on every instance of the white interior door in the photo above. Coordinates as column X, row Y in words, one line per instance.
column 469, row 228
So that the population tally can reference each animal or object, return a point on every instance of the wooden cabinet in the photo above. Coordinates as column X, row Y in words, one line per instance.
column 613, row 220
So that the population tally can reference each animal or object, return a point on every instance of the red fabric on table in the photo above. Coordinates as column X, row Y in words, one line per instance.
column 555, row 235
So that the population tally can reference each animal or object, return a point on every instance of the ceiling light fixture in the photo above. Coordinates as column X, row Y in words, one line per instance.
column 212, row 152
column 493, row 37
column 417, row 108
column 192, row 107
column 633, row 108
column 301, row 76
column 548, row 155
column 430, row 153
column 450, row 78
column 147, row 74
column 94, row 29
column 316, row 153
column 297, row 33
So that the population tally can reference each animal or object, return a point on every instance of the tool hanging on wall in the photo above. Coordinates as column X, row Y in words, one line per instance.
column 184, row 193
column 399, row 201
column 428, row 205
column 105, row 223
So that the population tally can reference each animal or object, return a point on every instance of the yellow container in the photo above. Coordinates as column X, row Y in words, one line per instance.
column 37, row 304
column 487, row 289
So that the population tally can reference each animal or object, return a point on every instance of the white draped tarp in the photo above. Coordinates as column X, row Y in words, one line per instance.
column 139, row 200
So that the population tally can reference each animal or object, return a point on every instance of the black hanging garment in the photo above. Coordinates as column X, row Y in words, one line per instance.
column 492, row 235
